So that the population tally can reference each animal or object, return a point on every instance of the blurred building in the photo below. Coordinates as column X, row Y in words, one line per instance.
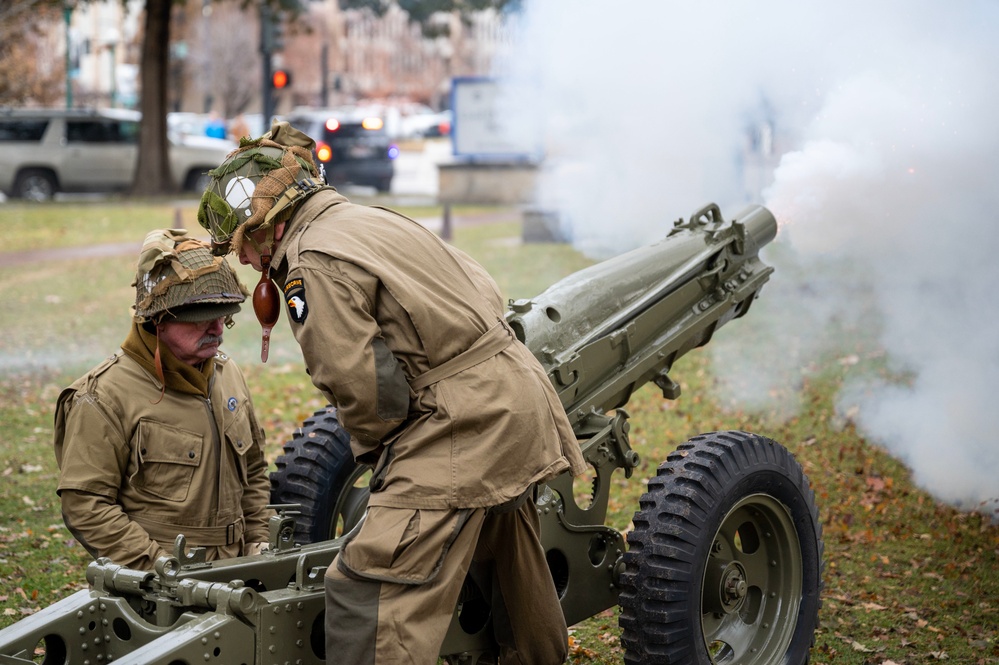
column 103, row 45
column 335, row 56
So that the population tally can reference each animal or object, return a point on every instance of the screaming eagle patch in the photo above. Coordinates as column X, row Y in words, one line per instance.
column 294, row 295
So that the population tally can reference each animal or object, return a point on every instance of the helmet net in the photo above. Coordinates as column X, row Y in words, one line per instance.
column 251, row 189
column 176, row 272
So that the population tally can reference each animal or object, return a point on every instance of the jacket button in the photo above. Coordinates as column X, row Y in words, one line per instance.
column 143, row 451
column 191, row 454
column 239, row 444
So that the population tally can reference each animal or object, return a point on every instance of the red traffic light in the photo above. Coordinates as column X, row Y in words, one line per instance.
column 281, row 79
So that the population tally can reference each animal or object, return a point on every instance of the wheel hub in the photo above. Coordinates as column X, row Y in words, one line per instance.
column 729, row 582
column 734, row 584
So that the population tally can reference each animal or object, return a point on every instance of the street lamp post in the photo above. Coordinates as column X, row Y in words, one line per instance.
column 114, row 76
column 67, row 13
column 111, row 38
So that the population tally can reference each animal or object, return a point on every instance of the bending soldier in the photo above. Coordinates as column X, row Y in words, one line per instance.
column 406, row 336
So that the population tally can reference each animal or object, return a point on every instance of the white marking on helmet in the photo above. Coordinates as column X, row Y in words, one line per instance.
column 238, row 192
column 149, row 282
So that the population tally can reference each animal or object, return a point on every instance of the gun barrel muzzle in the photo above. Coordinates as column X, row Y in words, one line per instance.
column 760, row 223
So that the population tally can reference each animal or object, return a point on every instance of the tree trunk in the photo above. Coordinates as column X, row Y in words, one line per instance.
column 152, row 170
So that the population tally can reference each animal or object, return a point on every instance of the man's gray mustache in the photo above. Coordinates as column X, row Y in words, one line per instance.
column 208, row 340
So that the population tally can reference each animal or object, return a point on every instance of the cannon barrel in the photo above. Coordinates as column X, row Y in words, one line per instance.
column 606, row 330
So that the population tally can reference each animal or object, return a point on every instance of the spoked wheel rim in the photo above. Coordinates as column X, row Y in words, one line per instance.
column 752, row 584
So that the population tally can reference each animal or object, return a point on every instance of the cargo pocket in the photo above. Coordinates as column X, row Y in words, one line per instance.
column 401, row 545
column 168, row 457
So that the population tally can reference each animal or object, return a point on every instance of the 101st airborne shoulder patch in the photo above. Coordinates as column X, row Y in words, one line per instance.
column 294, row 295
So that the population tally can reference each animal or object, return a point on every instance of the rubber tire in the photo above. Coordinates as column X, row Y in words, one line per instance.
column 664, row 586
column 35, row 185
column 317, row 471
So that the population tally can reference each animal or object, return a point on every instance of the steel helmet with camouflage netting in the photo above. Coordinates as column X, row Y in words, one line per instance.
column 178, row 278
column 257, row 186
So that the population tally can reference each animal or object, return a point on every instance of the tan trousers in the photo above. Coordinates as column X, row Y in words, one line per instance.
column 391, row 592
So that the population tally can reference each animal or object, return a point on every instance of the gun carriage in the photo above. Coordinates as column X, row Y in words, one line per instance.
column 724, row 564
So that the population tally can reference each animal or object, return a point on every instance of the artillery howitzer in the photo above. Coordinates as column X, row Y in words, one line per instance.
column 723, row 565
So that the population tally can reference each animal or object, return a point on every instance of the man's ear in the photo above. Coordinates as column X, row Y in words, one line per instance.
column 279, row 230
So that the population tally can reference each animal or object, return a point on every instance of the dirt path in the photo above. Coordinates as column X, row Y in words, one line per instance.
column 9, row 259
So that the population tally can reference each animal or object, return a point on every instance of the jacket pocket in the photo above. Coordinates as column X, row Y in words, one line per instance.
column 167, row 459
column 239, row 438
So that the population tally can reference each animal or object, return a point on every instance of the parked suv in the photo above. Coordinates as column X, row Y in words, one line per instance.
column 44, row 151
column 351, row 144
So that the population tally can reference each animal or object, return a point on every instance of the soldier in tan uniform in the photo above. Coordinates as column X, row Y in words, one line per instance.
column 407, row 337
column 161, row 439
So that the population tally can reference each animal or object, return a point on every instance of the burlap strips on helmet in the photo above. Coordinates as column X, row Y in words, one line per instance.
column 277, row 176
column 174, row 270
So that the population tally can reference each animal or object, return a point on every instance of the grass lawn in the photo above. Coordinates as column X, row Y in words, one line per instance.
column 907, row 580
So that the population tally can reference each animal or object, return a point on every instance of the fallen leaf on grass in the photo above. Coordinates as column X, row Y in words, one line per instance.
column 576, row 649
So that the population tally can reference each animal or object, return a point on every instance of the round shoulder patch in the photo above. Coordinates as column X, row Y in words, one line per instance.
column 232, row 403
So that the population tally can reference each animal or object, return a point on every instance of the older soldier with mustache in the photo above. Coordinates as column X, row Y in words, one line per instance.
column 161, row 438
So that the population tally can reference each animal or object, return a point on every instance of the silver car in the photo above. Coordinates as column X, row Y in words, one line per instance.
column 45, row 151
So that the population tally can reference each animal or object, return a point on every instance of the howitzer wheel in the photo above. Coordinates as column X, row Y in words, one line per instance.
column 318, row 472
column 724, row 564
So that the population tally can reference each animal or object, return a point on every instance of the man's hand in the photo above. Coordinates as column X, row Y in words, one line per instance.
column 254, row 548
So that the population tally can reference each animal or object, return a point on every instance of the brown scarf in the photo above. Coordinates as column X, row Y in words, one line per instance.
column 140, row 345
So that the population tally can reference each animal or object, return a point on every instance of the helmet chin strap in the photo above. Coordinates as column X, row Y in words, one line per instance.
column 266, row 302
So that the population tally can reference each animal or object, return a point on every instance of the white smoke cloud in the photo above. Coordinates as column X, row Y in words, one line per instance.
column 885, row 152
